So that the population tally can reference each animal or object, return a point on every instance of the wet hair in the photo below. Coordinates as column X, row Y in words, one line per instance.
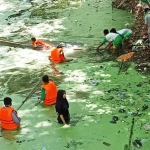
column 45, row 78
column 146, row 10
column 33, row 39
column 113, row 30
column 59, row 46
column 7, row 101
column 106, row 31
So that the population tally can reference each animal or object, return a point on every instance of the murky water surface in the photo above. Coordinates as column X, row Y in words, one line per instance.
column 77, row 25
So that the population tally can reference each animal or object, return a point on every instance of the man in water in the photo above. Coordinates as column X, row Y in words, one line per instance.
column 48, row 91
column 37, row 44
column 57, row 55
column 8, row 116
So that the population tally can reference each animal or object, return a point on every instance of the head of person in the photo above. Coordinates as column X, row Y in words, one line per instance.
column 113, row 30
column 59, row 46
column 61, row 95
column 45, row 79
column 146, row 10
column 7, row 101
column 33, row 39
column 106, row 31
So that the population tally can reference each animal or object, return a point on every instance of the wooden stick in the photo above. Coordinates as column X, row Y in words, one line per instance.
column 12, row 43
column 29, row 95
column 120, row 67
column 131, row 134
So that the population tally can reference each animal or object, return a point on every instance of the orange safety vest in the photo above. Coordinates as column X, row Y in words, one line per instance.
column 6, row 118
column 40, row 43
column 51, row 93
column 57, row 55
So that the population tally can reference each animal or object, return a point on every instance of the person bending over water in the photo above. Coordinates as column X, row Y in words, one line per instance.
column 114, row 40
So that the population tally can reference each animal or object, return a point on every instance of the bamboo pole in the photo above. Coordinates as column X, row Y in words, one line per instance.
column 11, row 43
column 131, row 134
column 30, row 94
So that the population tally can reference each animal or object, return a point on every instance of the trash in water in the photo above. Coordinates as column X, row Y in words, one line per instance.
column 121, row 95
column 144, row 107
column 146, row 100
column 43, row 148
column 137, row 143
column 93, row 82
column 121, row 111
column 105, row 143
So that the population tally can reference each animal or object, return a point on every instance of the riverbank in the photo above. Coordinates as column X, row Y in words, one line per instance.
column 142, row 57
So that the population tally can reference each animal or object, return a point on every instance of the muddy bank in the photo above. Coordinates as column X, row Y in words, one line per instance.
column 141, row 58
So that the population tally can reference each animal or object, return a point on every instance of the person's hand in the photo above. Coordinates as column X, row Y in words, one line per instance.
column 65, row 126
column 38, row 102
column 97, row 49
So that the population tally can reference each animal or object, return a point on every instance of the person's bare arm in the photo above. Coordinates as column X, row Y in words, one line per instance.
column 99, row 46
column 108, row 46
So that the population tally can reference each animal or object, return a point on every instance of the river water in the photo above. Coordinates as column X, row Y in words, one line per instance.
column 77, row 25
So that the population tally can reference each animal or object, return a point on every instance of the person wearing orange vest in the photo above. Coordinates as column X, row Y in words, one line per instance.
column 57, row 55
column 48, row 91
column 37, row 44
column 8, row 116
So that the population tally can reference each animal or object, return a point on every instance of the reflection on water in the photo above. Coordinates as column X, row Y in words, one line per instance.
column 10, row 134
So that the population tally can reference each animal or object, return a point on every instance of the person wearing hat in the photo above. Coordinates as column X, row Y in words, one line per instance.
column 8, row 116
column 57, row 55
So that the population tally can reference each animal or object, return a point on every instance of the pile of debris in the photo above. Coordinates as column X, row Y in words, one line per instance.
column 142, row 56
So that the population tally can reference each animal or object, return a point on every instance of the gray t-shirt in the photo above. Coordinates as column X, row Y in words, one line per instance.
column 124, row 31
column 147, row 21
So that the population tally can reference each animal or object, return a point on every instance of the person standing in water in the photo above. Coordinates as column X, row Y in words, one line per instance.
column 62, row 108
column 48, row 91
column 8, row 116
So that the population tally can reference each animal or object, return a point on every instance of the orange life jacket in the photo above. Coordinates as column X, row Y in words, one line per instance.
column 6, row 118
column 40, row 43
column 51, row 93
column 57, row 55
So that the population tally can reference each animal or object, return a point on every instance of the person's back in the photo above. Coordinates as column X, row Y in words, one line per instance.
column 124, row 31
column 8, row 116
column 111, row 36
column 48, row 91
column 57, row 55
